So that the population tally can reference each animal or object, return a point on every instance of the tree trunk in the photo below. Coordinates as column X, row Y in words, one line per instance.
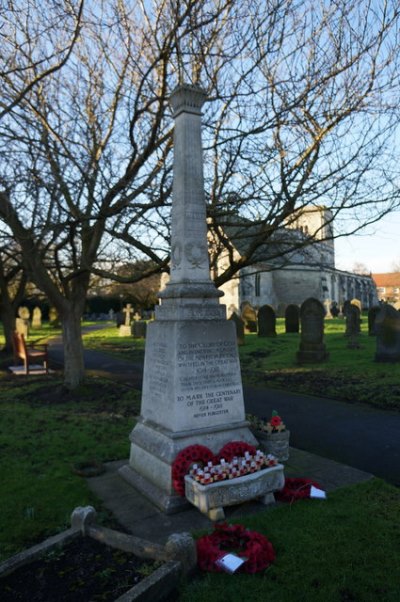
column 74, row 368
column 8, row 320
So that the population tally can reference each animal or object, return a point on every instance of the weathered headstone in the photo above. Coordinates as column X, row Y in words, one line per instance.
column 345, row 307
column 372, row 313
column 292, row 318
column 266, row 321
column 334, row 309
column 249, row 317
column 37, row 317
column 111, row 315
column 312, row 347
column 239, row 328
column 327, row 306
column 139, row 329
column 22, row 326
column 24, row 313
column 125, row 328
column 53, row 317
column 119, row 318
column 353, row 326
column 280, row 310
column 192, row 390
column 357, row 303
column 387, row 326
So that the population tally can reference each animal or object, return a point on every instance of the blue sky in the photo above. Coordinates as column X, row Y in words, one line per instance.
column 377, row 247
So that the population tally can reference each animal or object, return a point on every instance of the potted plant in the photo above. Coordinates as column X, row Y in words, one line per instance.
column 272, row 435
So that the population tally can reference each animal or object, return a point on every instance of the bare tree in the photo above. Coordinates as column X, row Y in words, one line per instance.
column 302, row 111
column 13, row 281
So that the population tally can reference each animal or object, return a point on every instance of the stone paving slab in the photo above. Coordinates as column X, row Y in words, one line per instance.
column 141, row 518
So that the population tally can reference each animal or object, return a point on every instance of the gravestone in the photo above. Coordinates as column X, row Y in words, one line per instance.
column 22, row 326
column 192, row 390
column 111, row 315
column 125, row 328
column 280, row 310
column 357, row 303
column 22, row 322
column 139, row 329
column 249, row 317
column 335, row 309
column 312, row 347
column 239, row 328
column 292, row 318
column 53, row 317
column 345, row 307
column 353, row 326
column 372, row 313
column 327, row 306
column 387, row 326
column 119, row 318
column 266, row 321
column 37, row 317
column 24, row 313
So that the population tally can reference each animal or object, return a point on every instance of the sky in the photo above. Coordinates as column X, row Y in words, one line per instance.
column 377, row 247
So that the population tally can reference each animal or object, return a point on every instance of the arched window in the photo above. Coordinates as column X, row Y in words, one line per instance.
column 257, row 282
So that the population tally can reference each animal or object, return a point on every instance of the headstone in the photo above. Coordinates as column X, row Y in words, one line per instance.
column 357, row 303
column 249, row 317
column 345, row 307
column 137, row 316
column 53, row 317
column 334, row 309
column 239, row 328
column 353, row 326
column 119, row 318
column 125, row 328
column 24, row 313
column 139, row 329
column 312, row 348
column 21, row 326
column 327, row 306
column 111, row 315
column 280, row 310
column 292, row 318
column 37, row 317
column 372, row 313
column 266, row 321
column 192, row 390
column 387, row 326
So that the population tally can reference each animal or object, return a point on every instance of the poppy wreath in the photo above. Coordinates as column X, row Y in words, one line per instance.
column 235, row 448
column 184, row 460
column 253, row 546
column 295, row 489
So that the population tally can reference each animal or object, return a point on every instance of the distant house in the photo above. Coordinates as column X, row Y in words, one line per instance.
column 388, row 287
column 287, row 270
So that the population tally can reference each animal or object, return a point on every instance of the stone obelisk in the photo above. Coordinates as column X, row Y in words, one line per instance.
column 192, row 388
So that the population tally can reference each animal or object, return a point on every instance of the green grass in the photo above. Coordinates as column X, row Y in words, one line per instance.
column 342, row 549
column 45, row 431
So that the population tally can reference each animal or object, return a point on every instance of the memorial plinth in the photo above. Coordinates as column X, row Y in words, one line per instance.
column 192, row 389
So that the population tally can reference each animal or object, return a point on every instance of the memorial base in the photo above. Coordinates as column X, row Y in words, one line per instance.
column 153, row 450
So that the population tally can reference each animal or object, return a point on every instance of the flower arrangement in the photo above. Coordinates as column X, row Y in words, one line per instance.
column 235, row 459
column 274, row 425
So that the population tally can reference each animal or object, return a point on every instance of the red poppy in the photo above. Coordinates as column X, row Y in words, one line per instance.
column 275, row 421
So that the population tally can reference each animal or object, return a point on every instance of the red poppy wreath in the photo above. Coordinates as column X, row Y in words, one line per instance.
column 186, row 457
column 295, row 489
column 254, row 547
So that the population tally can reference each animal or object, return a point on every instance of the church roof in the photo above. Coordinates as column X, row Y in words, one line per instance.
column 390, row 279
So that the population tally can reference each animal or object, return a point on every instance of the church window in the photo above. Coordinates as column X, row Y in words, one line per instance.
column 257, row 285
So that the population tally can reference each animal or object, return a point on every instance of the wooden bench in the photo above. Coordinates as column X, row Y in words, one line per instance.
column 29, row 353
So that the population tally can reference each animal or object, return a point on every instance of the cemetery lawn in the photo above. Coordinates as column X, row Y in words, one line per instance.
column 349, row 374
column 45, row 433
